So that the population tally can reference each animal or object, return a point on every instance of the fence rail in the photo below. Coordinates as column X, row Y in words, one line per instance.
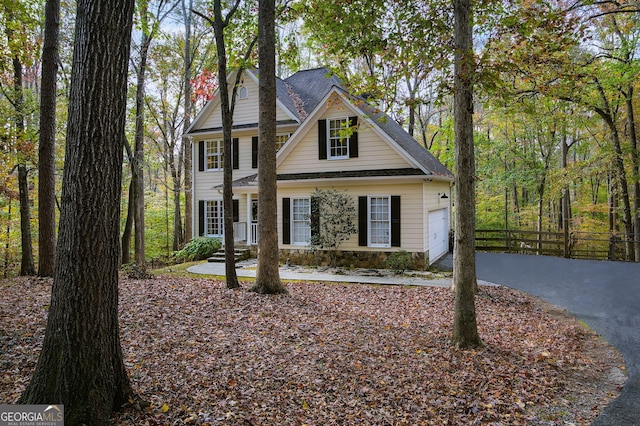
column 577, row 245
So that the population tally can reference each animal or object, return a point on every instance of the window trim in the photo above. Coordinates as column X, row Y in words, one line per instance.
column 294, row 221
column 287, row 134
column 344, row 124
column 369, row 221
column 219, row 154
column 220, row 219
column 242, row 89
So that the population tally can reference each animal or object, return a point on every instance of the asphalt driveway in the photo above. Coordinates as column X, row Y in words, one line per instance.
column 605, row 295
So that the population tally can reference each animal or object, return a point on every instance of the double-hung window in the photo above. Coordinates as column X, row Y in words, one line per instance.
column 300, row 221
column 379, row 221
column 214, row 150
column 338, row 141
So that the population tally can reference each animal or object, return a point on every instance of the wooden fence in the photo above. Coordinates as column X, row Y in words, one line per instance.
column 577, row 245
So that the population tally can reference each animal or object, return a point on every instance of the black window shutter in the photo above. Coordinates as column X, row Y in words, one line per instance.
column 395, row 221
column 322, row 139
column 353, row 139
column 362, row 221
column 235, row 152
column 236, row 210
column 200, row 217
column 254, row 152
column 315, row 216
column 201, row 156
column 286, row 221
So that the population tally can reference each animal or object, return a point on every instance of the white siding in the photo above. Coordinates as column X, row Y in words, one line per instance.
column 373, row 151
column 411, row 214
column 245, row 111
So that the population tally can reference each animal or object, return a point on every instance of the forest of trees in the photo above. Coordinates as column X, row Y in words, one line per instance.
column 555, row 108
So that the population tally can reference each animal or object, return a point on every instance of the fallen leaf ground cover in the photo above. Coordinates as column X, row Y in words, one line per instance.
column 329, row 354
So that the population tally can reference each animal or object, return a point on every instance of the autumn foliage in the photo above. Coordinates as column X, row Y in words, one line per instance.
column 204, row 86
column 324, row 354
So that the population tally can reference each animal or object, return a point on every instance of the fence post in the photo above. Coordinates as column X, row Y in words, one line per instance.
column 612, row 247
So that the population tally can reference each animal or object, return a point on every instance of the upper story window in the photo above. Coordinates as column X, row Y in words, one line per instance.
column 338, row 138
column 281, row 139
column 214, row 150
column 243, row 92
column 338, row 142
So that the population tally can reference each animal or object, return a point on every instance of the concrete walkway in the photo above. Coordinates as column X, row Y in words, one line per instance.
column 248, row 269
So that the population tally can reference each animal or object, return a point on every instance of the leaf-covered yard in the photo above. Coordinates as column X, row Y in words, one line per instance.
column 330, row 354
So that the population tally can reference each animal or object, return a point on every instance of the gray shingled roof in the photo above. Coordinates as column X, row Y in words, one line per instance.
column 312, row 86
column 302, row 92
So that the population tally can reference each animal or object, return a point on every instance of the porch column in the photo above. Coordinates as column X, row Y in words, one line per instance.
column 248, row 216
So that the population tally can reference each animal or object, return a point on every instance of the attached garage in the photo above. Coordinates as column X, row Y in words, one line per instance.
column 438, row 234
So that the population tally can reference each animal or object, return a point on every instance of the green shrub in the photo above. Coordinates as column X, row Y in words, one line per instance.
column 199, row 248
column 399, row 261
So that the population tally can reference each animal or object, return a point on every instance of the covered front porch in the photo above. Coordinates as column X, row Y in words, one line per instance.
column 246, row 231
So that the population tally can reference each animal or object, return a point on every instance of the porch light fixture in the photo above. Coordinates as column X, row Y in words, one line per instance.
column 443, row 196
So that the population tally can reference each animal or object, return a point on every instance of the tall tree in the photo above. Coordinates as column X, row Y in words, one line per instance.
column 268, row 273
column 149, row 26
column 165, row 106
column 187, row 15
column 227, row 105
column 465, row 329
column 81, row 364
column 46, row 147
column 221, row 24
column 17, row 41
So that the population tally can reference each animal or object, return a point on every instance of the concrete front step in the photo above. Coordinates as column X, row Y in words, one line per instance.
column 239, row 254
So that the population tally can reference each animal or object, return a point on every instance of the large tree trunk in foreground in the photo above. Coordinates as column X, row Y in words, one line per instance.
column 47, row 142
column 465, row 329
column 268, row 274
column 81, row 363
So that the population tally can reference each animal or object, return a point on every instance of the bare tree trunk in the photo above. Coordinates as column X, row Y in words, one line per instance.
column 226, row 106
column 613, row 203
column 8, row 237
column 47, row 142
column 465, row 329
column 27, row 266
column 81, row 363
column 178, row 233
column 566, row 202
column 635, row 171
column 268, row 274
column 188, row 179
column 138, row 162
column 606, row 114
column 125, row 246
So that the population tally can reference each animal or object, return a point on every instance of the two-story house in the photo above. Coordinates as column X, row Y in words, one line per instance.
column 401, row 190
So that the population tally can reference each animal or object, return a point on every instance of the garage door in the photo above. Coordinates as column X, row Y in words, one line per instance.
column 438, row 234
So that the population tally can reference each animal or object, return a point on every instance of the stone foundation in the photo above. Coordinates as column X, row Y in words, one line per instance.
column 348, row 259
